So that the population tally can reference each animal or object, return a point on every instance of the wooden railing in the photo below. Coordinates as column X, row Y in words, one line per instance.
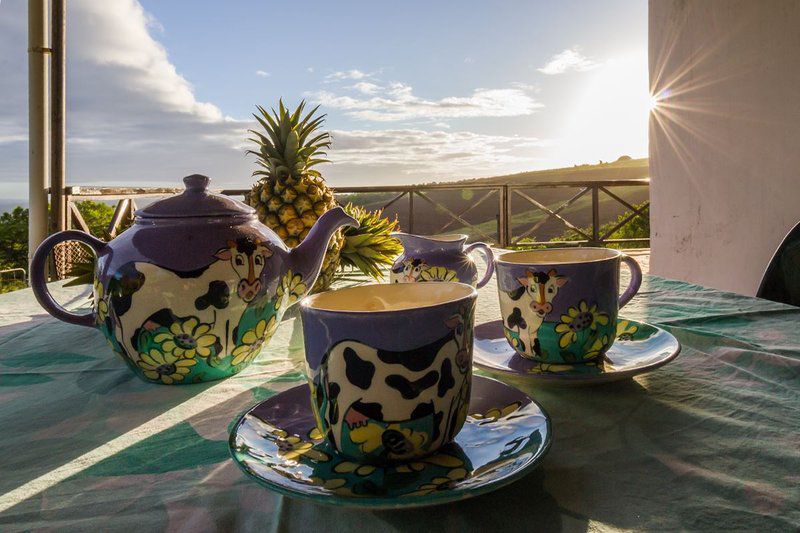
column 521, row 210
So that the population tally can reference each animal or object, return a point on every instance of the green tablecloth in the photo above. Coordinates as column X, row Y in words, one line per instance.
column 710, row 441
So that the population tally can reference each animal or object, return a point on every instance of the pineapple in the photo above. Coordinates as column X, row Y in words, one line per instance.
column 291, row 195
column 370, row 246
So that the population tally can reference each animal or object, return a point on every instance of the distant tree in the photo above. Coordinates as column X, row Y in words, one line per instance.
column 97, row 216
column 11, row 285
column 14, row 239
column 624, row 158
column 636, row 228
column 14, row 236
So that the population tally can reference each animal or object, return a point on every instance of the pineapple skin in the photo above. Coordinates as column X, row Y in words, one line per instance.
column 291, row 208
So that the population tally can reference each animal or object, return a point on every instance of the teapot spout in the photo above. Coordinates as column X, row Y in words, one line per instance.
column 306, row 259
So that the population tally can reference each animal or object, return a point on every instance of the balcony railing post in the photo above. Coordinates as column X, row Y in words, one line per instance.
column 595, row 215
column 411, row 210
column 502, row 220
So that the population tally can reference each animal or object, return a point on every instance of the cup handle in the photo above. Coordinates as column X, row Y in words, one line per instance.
column 39, row 279
column 636, row 280
column 488, row 257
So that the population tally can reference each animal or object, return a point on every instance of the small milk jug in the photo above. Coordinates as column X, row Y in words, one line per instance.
column 440, row 258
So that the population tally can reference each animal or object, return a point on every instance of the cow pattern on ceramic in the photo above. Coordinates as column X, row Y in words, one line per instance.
column 440, row 258
column 195, row 288
column 560, row 305
column 638, row 348
column 390, row 385
column 505, row 436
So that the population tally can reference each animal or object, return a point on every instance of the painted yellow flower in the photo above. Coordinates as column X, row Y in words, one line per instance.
column 550, row 368
column 101, row 302
column 440, row 483
column 253, row 339
column 626, row 330
column 292, row 447
column 438, row 273
column 439, row 459
column 290, row 289
column 187, row 339
column 369, row 437
column 578, row 319
column 165, row 367
column 335, row 485
column 346, row 467
column 497, row 413
column 597, row 348
column 410, row 467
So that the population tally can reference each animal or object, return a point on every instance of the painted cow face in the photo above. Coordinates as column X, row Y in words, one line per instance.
column 412, row 268
column 247, row 259
column 542, row 287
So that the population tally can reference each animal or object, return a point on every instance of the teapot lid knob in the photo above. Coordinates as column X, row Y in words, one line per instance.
column 196, row 201
column 196, row 183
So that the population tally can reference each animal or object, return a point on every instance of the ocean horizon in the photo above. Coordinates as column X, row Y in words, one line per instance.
column 9, row 205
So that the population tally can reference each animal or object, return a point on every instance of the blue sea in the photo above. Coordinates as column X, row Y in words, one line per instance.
column 9, row 205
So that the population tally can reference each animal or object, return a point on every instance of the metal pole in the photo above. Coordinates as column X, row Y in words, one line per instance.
column 58, row 86
column 38, row 123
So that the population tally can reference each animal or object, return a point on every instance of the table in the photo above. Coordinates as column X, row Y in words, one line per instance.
column 710, row 441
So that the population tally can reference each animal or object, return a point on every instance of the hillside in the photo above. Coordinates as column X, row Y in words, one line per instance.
column 428, row 220
column 617, row 170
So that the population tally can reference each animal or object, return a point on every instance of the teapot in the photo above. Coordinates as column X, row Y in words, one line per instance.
column 195, row 288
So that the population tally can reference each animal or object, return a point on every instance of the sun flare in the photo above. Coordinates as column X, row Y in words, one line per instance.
column 609, row 118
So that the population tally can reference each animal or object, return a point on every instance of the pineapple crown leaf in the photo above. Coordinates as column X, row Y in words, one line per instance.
column 288, row 147
column 370, row 246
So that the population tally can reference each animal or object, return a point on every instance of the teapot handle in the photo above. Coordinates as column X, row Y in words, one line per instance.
column 39, row 278
column 488, row 257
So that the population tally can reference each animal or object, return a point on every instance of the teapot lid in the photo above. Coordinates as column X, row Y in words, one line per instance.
column 195, row 201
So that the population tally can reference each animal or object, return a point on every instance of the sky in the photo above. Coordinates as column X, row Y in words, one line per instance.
column 414, row 91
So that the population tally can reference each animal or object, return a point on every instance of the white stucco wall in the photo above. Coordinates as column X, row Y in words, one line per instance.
column 725, row 138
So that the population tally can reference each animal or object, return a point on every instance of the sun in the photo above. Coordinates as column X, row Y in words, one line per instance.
column 609, row 117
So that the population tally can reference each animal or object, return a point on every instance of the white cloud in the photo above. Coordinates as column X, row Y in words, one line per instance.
column 398, row 102
column 262, row 74
column 310, row 70
column 353, row 74
column 433, row 154
column 132, row 118
column 569, row 59
column 366, row 87
column 525, row 86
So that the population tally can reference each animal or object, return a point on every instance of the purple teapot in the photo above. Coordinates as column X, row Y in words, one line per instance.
column 195, row 288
